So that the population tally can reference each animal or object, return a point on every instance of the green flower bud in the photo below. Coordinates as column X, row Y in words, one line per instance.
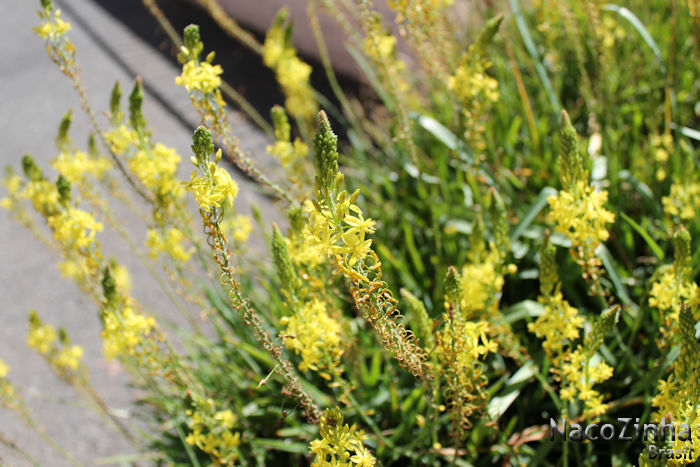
column 115, row 106
column 63, row 336
column 34, row 320
column 606, row 321
column 281, row 123
column 31, row 170
column 453, row 286
column 63, row 188
column 570, row 161
column 92, row 145
column 476, row 239
column 109, row 287
column 62, row 139
column 325, row 157
column 548, row 268
column 499, row 223
column 486, row 36
column 202, row 143
column 297, row 219
column 681, row 244
column 135, row 100
column 420, row 321
column 192, row 40
column 687, row 366
column 283, row 263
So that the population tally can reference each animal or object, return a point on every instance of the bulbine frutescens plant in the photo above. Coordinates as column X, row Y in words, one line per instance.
column 506, row 320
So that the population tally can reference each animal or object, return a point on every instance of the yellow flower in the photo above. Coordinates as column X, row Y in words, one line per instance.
column 385, row 45
column 211, row 191
column 313, row 334
column 75, row 228
column 171, row 242
column 559, row 323
column 122, row 279
column 120, row 138
column 579, row 375
column 52, row 29
column 200, row 76
column 4, row 369
column 125, row 331
column 291, row 72
column 683, row 201
column 340, row 444
column 157, row 168
column 41, row 337
column 210, row 431
column 70, row 357
column 240, row 227
column 669, row 291
column 43, row 195
column 77, row 164
column 481, row 282
column 581, row 215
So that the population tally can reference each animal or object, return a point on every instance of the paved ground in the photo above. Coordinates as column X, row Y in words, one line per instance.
column 35, row 96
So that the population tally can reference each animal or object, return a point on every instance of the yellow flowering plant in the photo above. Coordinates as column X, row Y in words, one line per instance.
column 431, row 295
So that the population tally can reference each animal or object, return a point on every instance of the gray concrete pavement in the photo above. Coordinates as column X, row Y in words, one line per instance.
column 35, row 96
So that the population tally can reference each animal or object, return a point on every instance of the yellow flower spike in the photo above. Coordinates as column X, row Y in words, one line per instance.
column 683, row 201
column 70, row 357
column 171, row 242
column 201, row 76
column 124, row 332
column 4, row 370
column 75, row 228
column 291, row 72
column 41, row 337
column 339, row 444
column 53, row 27
column 314, row 335
column 76, row 165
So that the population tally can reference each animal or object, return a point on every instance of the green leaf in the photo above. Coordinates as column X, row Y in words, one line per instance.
column 522, row 310
column 281, row 445
column 655, row 248
column 539, row 203
column 532, row 50
column 499, row 404
column 641, row 29
column 688, row 132
column 371, row 77
column 620, row 289
column 444, row 135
